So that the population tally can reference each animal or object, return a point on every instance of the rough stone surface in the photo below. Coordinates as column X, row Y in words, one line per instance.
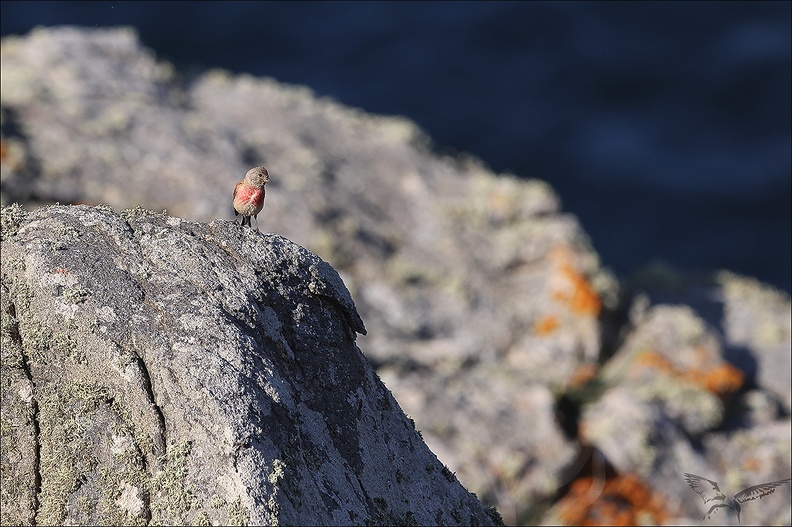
column 549, row 388
column 752, row 321
column 159, row 371
column 669, row 389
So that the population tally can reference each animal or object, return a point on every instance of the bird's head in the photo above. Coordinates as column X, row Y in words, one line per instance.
column 257, row 176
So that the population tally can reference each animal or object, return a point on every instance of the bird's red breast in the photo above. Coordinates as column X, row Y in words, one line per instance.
column 248, row 200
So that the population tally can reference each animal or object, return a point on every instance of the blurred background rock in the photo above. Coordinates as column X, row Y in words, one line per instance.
column 665, row 127
column 555, row 380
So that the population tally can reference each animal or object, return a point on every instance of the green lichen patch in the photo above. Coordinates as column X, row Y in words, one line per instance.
column 216, row 502
column 172, row 500
column 19, row 292
column 17, row 436
column 104, row 207
column 138, row 211
column 10, row 350
column 67, row 231
column 11, row 218
column 202, row 519
column 106, row 461
column 67, row 416
column 123, row 495
column 56, row 245
column 238, row 514
column 15, row 264
column 384, row 516
column 278, row 480
column 76, row 294
column 42, row 345
column 92, row 460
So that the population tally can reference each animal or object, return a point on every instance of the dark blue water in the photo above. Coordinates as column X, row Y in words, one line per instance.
column 664, row 126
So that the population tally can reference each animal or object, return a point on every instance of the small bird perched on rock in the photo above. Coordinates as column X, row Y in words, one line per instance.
column 249, row 195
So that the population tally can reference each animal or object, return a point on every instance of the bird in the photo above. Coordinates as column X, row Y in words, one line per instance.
column 249, row 195
column 709, row 491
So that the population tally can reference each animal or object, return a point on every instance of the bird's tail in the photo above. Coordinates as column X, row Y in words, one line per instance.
column 246, row 221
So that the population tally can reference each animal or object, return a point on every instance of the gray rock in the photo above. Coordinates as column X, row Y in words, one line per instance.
column 162, row 371
column 742, row 458
column 665, row 384
column 752, row 320
column 673, row 360
column 757, row 324
column 668, row 390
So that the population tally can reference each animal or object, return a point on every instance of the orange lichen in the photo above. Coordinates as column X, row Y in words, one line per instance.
column 581, row 298
column 722, row 379
column 545, row 325
column 654, row 360
column 582, row 374
column 618, row 500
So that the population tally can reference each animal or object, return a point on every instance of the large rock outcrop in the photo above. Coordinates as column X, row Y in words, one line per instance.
column 161, row 371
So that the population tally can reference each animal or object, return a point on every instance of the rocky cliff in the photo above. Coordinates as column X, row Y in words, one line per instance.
column 551, row 388
column 168, row 372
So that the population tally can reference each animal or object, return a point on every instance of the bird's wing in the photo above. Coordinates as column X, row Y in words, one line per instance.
column 758, row 491
column 706, row 488
column 233, row 197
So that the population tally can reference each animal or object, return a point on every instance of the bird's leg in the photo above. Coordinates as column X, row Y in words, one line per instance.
column 257, row 224
column 236, row 218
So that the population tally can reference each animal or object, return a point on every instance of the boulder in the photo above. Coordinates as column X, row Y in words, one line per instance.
column 161, row 371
